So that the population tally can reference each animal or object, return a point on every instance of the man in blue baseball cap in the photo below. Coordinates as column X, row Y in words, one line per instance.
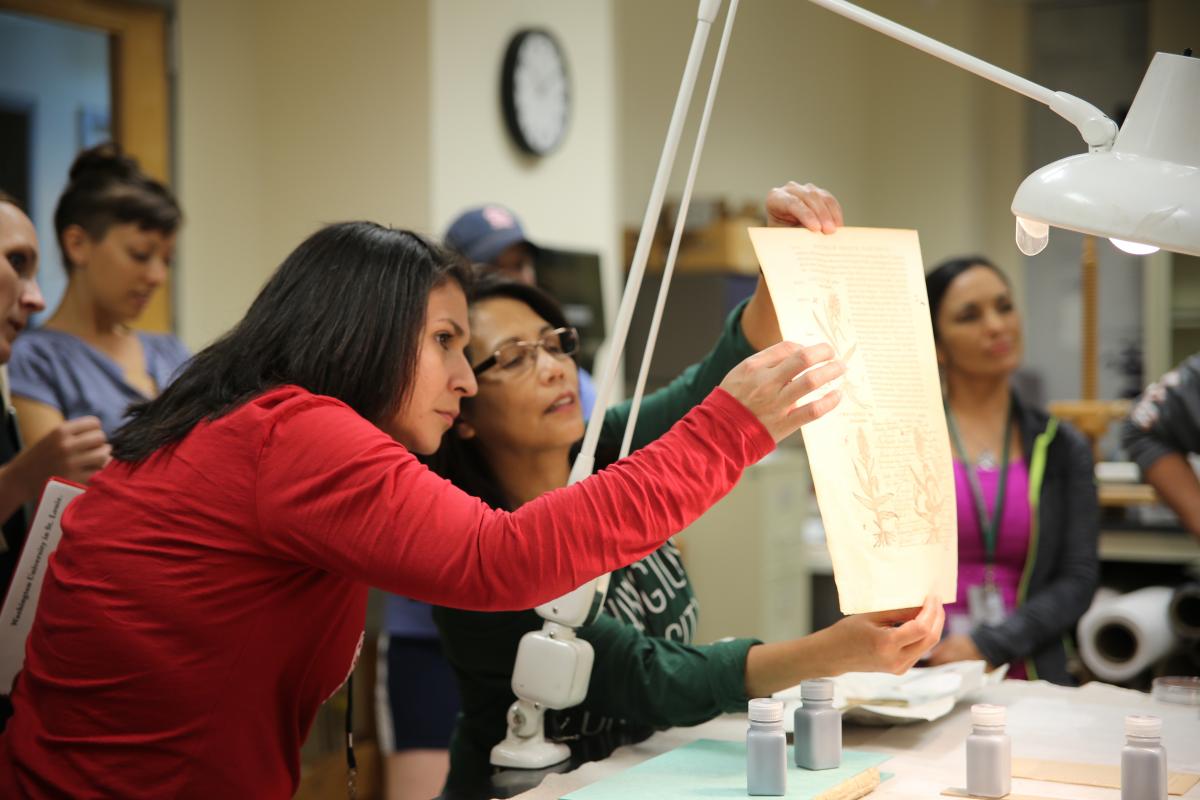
column 493, row 235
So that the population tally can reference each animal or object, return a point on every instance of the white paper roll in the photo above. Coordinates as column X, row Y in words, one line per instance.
column 1120, row 636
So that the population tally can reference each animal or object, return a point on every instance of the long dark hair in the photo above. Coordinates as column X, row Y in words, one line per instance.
column 461, row 461
column 938, row 280
column 342, row 316
column 106, row 188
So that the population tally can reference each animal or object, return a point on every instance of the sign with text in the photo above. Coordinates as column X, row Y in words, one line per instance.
column 20, row 605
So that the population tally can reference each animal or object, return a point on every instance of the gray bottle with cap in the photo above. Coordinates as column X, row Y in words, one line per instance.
column 1143, row 760
column 989, row 753
column 766, row 749
column 818, row 727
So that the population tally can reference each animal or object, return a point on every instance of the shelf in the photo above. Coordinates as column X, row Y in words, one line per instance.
column 1149, row 547
column 1122, row 495
column 1189, row 319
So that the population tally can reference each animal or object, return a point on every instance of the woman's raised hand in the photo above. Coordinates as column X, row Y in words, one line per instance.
column 805, row 205
column 771, row 382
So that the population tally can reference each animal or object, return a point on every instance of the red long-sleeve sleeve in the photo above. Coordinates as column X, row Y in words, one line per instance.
column 203, row 604
column 336, row 493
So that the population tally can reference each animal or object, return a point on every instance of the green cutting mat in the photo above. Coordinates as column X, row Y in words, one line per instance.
column 708, row 769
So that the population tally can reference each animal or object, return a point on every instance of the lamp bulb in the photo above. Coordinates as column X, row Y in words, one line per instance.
column 1134, row 248
column 1032, row 236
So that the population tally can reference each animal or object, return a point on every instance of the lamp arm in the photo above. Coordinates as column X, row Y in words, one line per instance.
column 552, row 666
column 585, row 461
column 1093, row 125
column 1096, row 129
column 680, row 221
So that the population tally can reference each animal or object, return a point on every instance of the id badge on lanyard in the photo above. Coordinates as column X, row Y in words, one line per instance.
column 985, row 603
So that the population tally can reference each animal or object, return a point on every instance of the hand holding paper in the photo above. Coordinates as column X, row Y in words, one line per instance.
column 884, row 641
column 791, row 205
column 770, row 385
column 805, row 205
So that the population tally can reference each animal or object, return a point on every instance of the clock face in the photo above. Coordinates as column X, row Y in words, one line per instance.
column 535, row 91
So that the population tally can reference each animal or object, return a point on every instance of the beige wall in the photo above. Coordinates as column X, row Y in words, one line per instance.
column 952, row 158
column 789, row 91
column 296, row 113
column 1173, row 25
column 903, row 139
column 345, row 106
column 218, row 172
column 568, row 198
column 292, row 114
column 1002, row 134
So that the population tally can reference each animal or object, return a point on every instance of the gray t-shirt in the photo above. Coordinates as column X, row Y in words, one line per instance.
column 63, row 371
column 1166, row 418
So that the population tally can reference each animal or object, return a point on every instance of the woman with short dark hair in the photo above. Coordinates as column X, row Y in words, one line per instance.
column 86, row 365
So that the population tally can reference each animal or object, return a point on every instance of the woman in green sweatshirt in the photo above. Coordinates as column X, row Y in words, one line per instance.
column 514, row 442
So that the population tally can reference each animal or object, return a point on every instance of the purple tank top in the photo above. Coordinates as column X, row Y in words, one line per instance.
column 1012, row 541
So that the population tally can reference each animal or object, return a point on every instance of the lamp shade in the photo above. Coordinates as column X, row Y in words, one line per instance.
column 1146, row 189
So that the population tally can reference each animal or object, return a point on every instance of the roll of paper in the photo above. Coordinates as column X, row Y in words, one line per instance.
column 1185, row 611
column 1121, row 636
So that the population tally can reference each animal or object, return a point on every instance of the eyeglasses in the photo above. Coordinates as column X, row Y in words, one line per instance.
column 516, row 357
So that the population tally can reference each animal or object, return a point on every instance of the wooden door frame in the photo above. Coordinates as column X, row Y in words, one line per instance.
column 141, row 110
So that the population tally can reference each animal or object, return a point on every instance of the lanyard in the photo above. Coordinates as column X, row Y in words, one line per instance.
column 351, row 761
column 988, row 529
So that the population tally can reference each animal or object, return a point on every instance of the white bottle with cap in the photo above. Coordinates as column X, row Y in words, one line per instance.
column 818, row 727
column 766, row 749
column 1143, row 760
column 989, row 753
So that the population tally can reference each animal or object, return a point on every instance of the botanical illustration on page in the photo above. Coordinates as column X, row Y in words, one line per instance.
column 881, row 462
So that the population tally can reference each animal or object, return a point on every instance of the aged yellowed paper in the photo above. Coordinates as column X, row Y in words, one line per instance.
column 881, row 463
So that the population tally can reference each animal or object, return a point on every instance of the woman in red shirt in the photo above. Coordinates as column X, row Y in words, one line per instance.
column 210, row 589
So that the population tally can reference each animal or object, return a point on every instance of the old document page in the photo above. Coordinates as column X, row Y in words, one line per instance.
column 880, row 461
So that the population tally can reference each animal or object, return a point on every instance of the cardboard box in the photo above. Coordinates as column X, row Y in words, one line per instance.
column 658, row 249
column 721, row 246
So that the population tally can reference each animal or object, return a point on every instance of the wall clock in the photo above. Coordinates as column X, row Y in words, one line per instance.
column 535, row 91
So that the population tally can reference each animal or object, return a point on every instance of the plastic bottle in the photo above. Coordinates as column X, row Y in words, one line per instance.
column 818, row 727
column 1143, row 760
column 766, row 749
column 989, row 753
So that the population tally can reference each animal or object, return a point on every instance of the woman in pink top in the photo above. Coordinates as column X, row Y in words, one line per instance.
column 1027, row 507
